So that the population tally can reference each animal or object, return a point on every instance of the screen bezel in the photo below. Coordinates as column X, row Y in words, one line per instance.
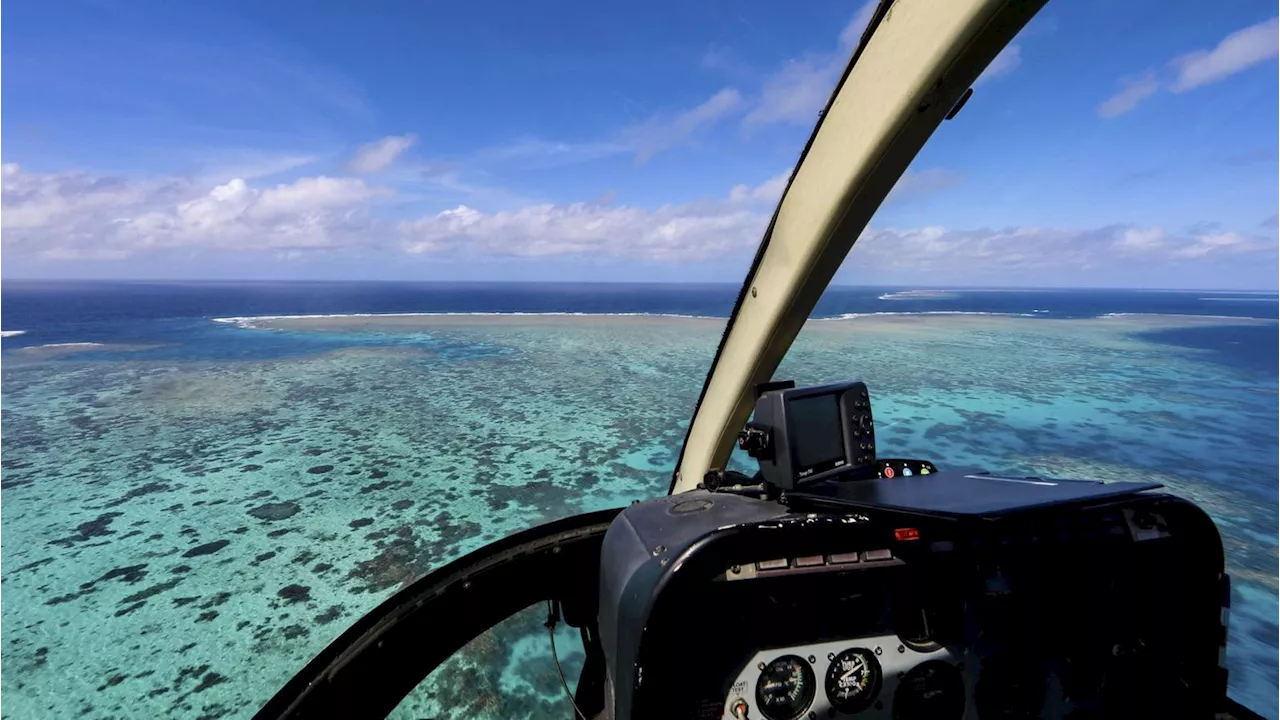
column 801, row 472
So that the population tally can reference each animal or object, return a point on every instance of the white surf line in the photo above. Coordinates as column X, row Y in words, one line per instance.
column 248, row 320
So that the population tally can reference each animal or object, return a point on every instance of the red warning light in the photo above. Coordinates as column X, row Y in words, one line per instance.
column 904, row 534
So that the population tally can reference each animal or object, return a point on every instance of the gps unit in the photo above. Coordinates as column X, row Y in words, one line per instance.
column 807, row 435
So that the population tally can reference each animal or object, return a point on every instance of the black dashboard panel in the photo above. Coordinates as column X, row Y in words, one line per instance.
column 1091, row 604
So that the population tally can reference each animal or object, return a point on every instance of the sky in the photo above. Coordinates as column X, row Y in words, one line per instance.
column 1111, row 144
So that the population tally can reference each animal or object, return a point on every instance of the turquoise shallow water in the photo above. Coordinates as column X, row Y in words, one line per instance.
column 180, row 536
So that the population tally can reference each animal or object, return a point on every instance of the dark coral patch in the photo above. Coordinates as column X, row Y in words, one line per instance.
column 129, row 573
column 36, row 564
column 295, row 593
column 208, row 548
column 85, row 531
column 131, row 608
column 360, row 522
column 320, row 469
column 149, row 488
column 333, row 613
column 152, row 591
column 275, row 511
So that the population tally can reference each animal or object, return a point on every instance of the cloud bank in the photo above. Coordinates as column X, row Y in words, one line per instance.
column 66, row 216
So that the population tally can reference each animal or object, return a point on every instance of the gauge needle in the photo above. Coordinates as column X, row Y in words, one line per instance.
column 856, row 667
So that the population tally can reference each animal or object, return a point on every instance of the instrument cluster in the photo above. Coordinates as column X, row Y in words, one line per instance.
column 874, row 677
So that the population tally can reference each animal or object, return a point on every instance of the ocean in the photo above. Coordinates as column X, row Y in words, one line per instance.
column 205, row 483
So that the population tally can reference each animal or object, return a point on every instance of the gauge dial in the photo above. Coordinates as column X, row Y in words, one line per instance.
column 853, row 680
column 785, row 688
column 932, row 690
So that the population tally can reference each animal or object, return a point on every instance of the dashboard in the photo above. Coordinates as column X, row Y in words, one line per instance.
column 1098, row 604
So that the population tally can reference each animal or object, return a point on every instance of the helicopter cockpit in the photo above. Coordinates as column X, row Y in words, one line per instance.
column 834, row 582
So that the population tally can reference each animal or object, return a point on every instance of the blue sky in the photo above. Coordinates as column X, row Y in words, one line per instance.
column 1123, row 144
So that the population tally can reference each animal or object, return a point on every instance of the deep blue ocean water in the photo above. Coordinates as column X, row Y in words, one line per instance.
column 125, row 461
column 114, row 312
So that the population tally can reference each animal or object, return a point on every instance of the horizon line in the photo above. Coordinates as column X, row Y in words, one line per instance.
column 297, row 281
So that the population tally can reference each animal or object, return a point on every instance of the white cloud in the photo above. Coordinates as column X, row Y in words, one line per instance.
column 74, row 215
column 851, row 35
column 1237, row 51
column 795, row 93
column 1031, row 249
column 312, row 212
column 1132, row 91
column 1227, row 243
column 769, row 191
column 33, row 200
column 692, row 231
column 801, row 87
column 662, row 132
column 534, row 153
column 1002, row 64
column 251, row 164
column 379, row 154
column 1139, row 240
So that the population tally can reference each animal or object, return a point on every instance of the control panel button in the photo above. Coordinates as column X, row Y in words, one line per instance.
column 779, row 564
column 877, row 555
column 844, row 558
column 809, row 561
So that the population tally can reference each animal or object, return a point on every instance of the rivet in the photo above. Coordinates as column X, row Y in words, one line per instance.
column 753, row 292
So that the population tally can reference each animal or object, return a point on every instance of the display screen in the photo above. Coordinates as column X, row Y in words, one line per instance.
column 817, row 441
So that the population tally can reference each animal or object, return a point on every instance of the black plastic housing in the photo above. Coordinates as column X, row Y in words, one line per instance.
column 853, row 427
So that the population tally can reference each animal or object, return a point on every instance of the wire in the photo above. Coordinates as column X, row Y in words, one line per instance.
column 551, row 633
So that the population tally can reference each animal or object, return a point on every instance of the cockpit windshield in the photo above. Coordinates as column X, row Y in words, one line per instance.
column 303, row 303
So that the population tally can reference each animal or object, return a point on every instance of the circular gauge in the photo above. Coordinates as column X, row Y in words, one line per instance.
column 785, row 688
column 932, row 690
column 853, row 680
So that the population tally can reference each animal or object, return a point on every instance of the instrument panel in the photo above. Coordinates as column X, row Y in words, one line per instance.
column 873, row 677
column 1093, row 608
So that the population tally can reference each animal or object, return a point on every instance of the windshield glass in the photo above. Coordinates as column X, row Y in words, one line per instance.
column 301, row 305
